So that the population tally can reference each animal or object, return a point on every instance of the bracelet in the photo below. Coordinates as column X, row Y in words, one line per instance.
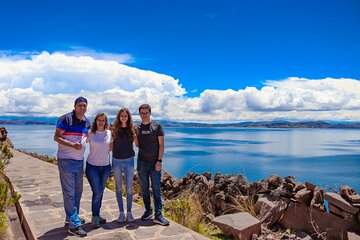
column 159, row 160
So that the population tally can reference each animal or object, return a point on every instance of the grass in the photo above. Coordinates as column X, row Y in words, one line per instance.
column 187, row 210
column 242, row 203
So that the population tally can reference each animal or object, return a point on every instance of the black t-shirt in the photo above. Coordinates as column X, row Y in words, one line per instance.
column 148, row 141
column 123, row 146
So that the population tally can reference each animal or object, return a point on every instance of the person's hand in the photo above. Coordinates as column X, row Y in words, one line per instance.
column 77, row 145
column 158, row 166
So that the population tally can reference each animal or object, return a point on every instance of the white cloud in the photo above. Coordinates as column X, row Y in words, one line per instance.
column 47, row 84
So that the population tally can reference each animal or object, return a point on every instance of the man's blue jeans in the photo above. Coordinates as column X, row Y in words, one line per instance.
column 128, row 166
column 71, row 178
column 147, row 170
column 97, row 177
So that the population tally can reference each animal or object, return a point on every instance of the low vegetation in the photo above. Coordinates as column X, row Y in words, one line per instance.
column 7, row 197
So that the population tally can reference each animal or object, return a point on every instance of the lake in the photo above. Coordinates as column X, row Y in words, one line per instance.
column 326, row 157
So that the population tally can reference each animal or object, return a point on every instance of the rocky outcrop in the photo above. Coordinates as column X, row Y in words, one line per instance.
column 276, row 202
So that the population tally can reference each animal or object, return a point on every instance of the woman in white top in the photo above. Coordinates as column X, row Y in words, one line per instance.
column 98, row 164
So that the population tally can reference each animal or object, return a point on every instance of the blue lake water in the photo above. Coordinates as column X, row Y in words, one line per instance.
column 326, row 157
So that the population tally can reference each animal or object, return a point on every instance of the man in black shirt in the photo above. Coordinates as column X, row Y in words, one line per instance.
column 151, row 149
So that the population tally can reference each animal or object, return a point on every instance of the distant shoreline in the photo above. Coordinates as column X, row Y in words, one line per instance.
column 268, row 124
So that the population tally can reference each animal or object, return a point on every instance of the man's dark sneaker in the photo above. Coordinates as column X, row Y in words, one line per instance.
column 95, row 222
column 66, row 222
column 159, row 219
column 147, row 214
column 77, row 231
column 102, row 220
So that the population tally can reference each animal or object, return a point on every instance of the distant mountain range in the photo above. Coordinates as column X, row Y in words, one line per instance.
column 6, row 120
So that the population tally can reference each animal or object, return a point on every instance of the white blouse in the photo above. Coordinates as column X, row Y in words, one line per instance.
column 99, row 148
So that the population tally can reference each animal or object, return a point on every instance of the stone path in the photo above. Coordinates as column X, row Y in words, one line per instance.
column 42, row 205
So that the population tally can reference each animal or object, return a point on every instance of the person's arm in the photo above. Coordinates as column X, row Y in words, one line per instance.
column 58, row 137
column 158, row 165
column 136, row 141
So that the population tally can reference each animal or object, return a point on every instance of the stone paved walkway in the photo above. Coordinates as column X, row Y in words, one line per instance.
column 42, row 205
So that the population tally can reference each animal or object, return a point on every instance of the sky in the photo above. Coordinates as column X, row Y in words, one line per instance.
column 192, row 61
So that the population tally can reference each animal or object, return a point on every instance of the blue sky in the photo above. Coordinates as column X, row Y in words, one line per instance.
column 206, row 60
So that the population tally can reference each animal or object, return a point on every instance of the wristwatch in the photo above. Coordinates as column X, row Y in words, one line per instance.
column 159, row 160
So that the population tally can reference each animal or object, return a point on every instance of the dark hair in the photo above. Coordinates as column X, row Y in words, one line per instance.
column 145, row 106
column 94, row 126
column 116, row 128
column 80, row 99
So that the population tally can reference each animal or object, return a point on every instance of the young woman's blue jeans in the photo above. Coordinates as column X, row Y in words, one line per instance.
column 71, row 179
column 97, row 177
column 128, row 166
column 147, row 170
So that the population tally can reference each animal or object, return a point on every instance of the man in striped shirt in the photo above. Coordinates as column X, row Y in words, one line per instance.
column 71, row 131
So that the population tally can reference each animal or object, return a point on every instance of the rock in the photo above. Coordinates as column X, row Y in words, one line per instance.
column 353, row 236
column 290, row 179
column 209, row 217
column 336, row 200
column 349, row 194
column 304, row 196
column 219, row 201
column 299, row 186
column 337, row 211
column 217, row 177
column 289, row 186
column 254, row 237
column 136, row 197
column 269, row 211
column 318, row 199
column 207, row 175
column 258, row 187
column 298, row 216
column 275, row 181
column 270, row 237
column 310, row 186
column 303, row 236
column 239, row 225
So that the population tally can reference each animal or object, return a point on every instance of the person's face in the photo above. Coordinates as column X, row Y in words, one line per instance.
column 145, row 114
column 100, row 123
column 80, row 108
column 123, row 117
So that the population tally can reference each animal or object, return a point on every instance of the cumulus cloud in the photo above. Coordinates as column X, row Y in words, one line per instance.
column 45, row 84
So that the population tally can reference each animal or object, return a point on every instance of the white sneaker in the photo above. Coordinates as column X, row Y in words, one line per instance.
column 121, row 218
column 129, row 217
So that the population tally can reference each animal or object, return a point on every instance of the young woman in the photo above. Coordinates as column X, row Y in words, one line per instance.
column 123, row 137
column 98, row 164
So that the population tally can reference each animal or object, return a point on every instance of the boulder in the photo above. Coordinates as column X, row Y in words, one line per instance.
column 218, row 176
column 310, row 186
column 350, row 195
column 239, row 225
column 219, row 201
column 339, row 212
column 207, row 175
column 299, row 186
column 268, row 210
column 258, row 187
column 313, row 221
column 353, row 236
column 304, row 196
column 318, row 199
column 275, row 181
column 336, row 200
